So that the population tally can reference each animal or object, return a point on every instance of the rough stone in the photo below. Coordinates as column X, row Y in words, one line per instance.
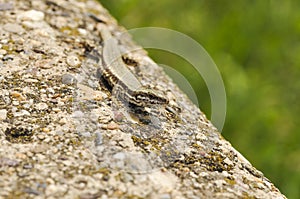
column 32, row 15
column 64, row 135
column 73, row 61
column 3, row 114
column 13, row 28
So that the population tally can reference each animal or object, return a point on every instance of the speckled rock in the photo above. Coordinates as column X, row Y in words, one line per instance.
column 64, row 135
column 13, row 28
column 3, row 114
column 31, row 15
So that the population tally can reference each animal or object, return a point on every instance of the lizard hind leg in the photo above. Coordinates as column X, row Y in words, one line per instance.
column 132, row 112
column 121, row 104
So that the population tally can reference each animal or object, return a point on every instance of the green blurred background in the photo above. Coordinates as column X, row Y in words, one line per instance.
column 256, row 46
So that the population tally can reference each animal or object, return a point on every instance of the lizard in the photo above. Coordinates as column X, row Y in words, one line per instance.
column 121, row 79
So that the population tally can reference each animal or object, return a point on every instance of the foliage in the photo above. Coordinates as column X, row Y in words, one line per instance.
column 256, row 45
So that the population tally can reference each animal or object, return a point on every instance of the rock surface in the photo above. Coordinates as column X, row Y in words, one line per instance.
column 63, row 135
